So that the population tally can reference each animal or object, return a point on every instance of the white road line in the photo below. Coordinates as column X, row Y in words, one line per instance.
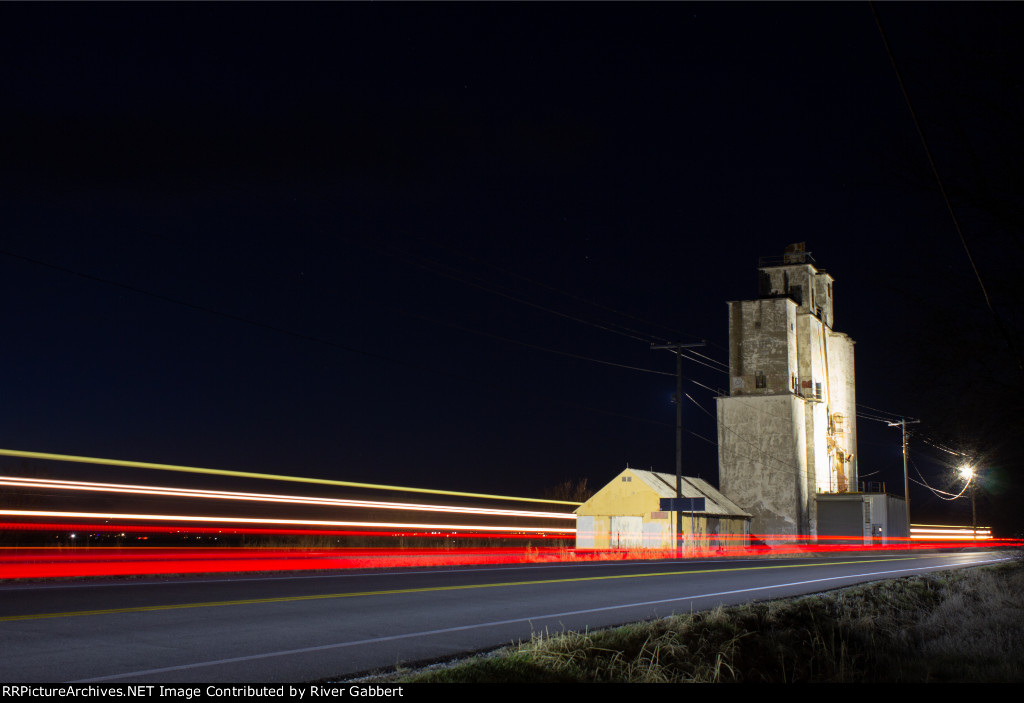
column 495, row 623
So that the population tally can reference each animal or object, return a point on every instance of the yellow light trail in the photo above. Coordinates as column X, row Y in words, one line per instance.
column 163, row 491
column 278, row 521
column 270, row 477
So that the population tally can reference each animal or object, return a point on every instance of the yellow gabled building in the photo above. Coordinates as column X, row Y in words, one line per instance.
column 627, row 513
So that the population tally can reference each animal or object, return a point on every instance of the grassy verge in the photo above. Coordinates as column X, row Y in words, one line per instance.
column 965, row 625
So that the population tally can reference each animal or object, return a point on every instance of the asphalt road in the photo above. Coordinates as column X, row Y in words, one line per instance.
column 296, row 628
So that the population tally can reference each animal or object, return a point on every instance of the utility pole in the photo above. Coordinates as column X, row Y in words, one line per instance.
column 906, row 483
column 678, row 347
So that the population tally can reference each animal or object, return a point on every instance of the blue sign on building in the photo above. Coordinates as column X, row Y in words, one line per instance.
column 683, row 505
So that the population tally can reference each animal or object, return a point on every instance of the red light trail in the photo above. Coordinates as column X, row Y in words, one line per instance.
column 56, row 562
column 134, row 526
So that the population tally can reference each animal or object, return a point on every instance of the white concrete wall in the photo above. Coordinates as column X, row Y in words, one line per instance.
column 762, row 342
column 762, row 456
column 843, row 400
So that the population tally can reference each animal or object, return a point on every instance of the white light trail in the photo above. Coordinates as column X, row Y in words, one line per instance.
column 279, row 521
column 164, row 491
column 269, row 477
column 950, row 533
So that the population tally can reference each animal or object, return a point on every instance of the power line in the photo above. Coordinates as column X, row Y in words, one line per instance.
column 568, row 294
column 945, row 197
column 877, row 410
column 714, row 361
column 452, row 273
column 935, row 491
column 343, row 347
column 797, row 471
column 536, row 347
column 436, row 267
column 686, row 356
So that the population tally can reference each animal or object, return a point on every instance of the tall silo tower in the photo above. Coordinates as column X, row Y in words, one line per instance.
column 787, row 430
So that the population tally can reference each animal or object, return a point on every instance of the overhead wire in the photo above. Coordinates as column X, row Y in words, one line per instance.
column 885, row 412
column 538, row 347
column 797, row 471
column 704, row 356
column 696, row 361
column 437, row 268
column 541, row 284
column 453, row 273
column 938, row 446
column 344, row 347
column 1000, row 326
column 936, row 491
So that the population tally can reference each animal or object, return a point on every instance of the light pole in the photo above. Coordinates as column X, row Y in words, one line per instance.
column 969, row 474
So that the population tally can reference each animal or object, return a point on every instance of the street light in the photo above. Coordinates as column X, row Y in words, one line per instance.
column 968, row 474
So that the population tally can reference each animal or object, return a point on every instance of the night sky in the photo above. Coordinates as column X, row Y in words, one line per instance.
column 422, row 244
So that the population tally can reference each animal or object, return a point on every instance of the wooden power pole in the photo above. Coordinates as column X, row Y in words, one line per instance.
column 677, row 347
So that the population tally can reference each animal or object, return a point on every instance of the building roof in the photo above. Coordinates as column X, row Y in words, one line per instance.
column 715, row 502
column 664, row 486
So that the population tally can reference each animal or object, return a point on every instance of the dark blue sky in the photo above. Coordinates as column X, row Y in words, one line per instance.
column 345, row 240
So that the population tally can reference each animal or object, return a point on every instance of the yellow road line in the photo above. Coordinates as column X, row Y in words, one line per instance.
column 357, row 594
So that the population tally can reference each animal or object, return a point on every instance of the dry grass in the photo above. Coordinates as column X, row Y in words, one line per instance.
column 965, row 625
